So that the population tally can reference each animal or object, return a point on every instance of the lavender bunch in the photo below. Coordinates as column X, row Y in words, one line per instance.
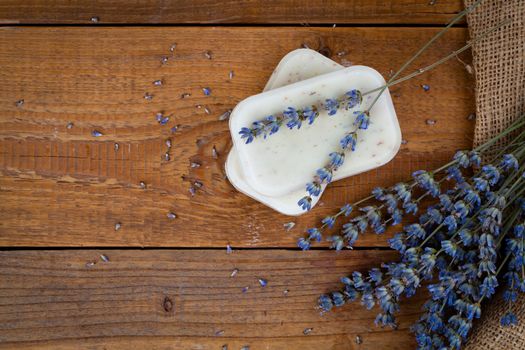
column 466, row 242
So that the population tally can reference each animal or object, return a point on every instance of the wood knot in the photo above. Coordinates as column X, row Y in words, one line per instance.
column 167, row 304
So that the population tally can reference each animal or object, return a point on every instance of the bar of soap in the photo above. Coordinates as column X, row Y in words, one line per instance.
column 275, row 170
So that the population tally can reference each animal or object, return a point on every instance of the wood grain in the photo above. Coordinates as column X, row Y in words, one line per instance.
column 63, row 187
column 180, row 299
column 233, row 11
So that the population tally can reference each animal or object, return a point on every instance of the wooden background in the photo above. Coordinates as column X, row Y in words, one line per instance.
column 167, row 283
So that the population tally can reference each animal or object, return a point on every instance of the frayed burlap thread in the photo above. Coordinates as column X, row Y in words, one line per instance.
column 499, row 64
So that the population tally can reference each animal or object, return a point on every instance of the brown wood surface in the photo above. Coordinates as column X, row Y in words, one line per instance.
column 64, row 187
column 180, row 299
column 233, row 11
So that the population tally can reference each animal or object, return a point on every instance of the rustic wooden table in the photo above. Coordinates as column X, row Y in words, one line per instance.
column 81, row 66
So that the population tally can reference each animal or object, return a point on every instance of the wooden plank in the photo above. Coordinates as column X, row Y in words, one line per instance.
column 64, row 187
column 173, row 299
column 235, row 11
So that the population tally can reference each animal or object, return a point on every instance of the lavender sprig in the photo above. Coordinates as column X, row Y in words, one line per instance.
column 295, row 117
column 336, row 159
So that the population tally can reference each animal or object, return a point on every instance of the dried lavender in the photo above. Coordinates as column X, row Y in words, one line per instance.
column 263, row 282
column 294, row 117
column 225, row 115
column 468, row 241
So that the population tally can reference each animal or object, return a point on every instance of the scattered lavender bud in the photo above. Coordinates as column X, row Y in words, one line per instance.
column 431, row 122
column 118, row 225
column 358, row 339
column 19, row 103
column 263, row 282
column 95, row 19
column 229, row 249
column 198, row 184
column 173, row 47
column 192, row 191
column 245, row 289
column 158, row 82
column 159, row 116
column 307, row 331
column 471, row 116
column 225, row 115
column 96, row 133
column 70, row 125
column 285, row 292
column 425, row 87
column 171, row 215
column 185, row 95
column 404, row 142
column 214, row 153
column 230, row 75
column 148, row 96
column 206, row 91
column 194, row 165
column 174, row 128
column 224, row 347
column 342, row 53
column 245, row 347
column 346, row 63
column 164, row 121
column 168, row 143
column 289, row 225
column 234, row 272
column 104, row 258
column 219, row 333
column 90, row 263
column 142, row 185
column 208, row 54
column 167, row 157
column 116, row 146
column 163, row 60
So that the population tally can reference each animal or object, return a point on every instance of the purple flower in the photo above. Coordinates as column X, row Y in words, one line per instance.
column 362, row 120
column 349, row 141
column 305, row 203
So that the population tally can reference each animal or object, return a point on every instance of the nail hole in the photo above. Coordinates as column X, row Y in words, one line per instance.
column 167, row 304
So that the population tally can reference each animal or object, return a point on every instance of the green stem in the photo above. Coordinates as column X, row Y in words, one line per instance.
column 426, row 46
column 433, row 65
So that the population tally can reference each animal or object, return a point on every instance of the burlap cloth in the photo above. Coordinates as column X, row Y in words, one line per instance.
column 499, row 64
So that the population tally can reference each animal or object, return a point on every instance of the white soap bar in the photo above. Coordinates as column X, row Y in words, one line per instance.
column 275, row 171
